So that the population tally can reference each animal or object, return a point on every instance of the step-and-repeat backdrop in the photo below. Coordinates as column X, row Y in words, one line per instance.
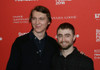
column 83, row 14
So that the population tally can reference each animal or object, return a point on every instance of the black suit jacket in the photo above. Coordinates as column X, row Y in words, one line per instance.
column 25, row 55
column 74, row 61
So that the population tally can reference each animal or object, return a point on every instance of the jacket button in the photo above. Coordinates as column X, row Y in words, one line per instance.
column 37, row 52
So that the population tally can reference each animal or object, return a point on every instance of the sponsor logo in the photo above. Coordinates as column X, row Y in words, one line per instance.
column 97, row 54
column 20, row 19
column 21, row 34
column 97, row 35
column 77, row 36
column 0, row 38
column 24, row 0
column 63, row 17
column 97, row 16
column 61, row 2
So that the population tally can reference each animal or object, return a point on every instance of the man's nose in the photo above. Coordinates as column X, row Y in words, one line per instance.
column 63, row 38
column 37, row 21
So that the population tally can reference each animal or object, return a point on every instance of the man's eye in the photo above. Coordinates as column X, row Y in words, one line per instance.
column 67, row 35
column 42, row 18
column 59, row 35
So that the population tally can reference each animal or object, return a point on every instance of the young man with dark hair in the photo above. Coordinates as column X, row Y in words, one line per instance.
column 69, row 58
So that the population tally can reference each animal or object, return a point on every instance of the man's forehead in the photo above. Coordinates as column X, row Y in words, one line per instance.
column 64, row 30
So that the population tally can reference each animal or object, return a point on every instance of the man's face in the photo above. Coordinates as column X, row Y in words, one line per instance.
column 39, row 21
column 65, row 38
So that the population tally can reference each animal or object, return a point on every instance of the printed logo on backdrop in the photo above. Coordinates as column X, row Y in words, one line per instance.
column 24, row 0
column 21, row 34
column 77, row 36
column 63, row 17
column 97, row 16
column 96, row 53
column 20, row 19
column 0, row 38
column 61, row 2
column 97, row 35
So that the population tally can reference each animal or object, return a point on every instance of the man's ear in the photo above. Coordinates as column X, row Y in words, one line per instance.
column 74, row 37
column 48, row 23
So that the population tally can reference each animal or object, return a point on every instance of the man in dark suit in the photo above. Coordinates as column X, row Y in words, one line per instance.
column 69, row 58
column 34, row 50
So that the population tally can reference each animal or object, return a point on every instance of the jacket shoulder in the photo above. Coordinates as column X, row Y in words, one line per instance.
column 50, row 39
column 53, row 42
column 85, row 59
column 22, row 39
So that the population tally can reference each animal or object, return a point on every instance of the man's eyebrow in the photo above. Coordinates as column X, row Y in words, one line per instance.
column 67, row 34
column 59, row 34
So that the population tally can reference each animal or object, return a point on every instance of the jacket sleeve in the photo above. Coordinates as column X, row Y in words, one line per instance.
column 15, row 57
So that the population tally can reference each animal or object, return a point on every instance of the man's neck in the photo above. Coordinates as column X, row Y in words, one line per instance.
column 39, row 35
column 67, row 52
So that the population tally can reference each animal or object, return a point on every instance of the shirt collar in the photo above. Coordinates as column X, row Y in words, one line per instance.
column 32, row 36
column 73, row 53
